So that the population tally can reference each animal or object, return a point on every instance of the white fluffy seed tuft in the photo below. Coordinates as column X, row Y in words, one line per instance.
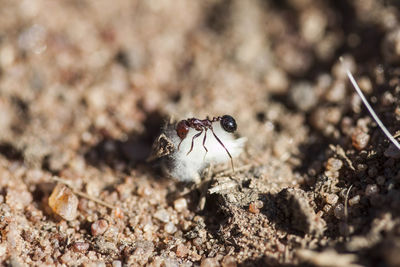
column 187, row 167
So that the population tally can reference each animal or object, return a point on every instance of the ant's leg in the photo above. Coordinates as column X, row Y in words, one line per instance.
column 219, row 141
column 180, row 143
column 204, row 143
column 194, row 136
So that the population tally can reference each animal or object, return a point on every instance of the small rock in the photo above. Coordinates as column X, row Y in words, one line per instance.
column 391, row 46
column 354, row 200
column 209, row 262
column 162, row 215
column 332, row 199
column 334, row 164
column 3, row 249
column 116, row 264
column 118, row 213
column 380, row 180
column 359, row 139
column 276, row 81
column 197, row 242
column 337, row 92
column 312, row 24
column 327, row 208
column 180, row 204
column 99, row 227
column 339, row 211
column 170, row 228
column 371, row 189
column 228, row 261
column 372, row 171
column 80, row 246
column 303, row 96
column 18, row 199
column 63, row 202
column 182, row 250
column 255, row 207
column 66, row 258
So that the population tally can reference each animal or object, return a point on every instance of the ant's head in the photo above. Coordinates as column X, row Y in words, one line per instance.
column 182, row 128
column 228, row 123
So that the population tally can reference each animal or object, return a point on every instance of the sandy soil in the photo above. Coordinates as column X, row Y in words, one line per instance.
column 85, row 87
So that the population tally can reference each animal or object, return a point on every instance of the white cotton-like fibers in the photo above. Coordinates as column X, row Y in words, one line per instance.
column 187, row 167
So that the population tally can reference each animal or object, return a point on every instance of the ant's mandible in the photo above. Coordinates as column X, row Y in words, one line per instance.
column 228, row 123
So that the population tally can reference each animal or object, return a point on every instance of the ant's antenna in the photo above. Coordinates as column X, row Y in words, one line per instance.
column 373, row 114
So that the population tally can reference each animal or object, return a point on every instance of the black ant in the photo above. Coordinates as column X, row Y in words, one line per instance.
column 228, row 123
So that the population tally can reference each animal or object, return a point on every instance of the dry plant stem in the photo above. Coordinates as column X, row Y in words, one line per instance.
column 227, row 172
column 346, row 213
column 204, row 188
column 84, row 195
column 370, row 109
column 224, row 186
column 340, row 152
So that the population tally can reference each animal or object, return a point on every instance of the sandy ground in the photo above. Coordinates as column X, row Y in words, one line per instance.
column 85, row 87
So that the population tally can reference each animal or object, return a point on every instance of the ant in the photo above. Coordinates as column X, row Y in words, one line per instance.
column 228, row 123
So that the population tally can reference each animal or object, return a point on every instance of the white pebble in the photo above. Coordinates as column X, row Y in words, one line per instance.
column 180, row 204
column 162, row 215
column 170, row 228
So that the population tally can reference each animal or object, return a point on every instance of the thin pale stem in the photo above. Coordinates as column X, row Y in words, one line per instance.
column 373, row 114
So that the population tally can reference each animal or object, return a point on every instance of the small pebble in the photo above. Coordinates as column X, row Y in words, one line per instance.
column 66, row 258
column 209, row 262
column 276, row 81
column 180, row 204
column 63, row 202
column 253, row 208
column 170, row 228
column 334, row 164
column 390, row 186
column 99, row 227
column 361, row 167
column 181, row 250
column 354, row 200
column 339, row 211
column 365, row 84
column 80, row 246
column 332, row 199
column 3, row 249
column 391, row 44
column 228, row 261
column 372, row 171
column 116, row 264
column 162, row 215
column 339, row 69
column 337, row 92
column 197, row 241
column 118, row 213
column 327, row 208
column 371, row 189
column 380, row 180
column 359, row 139
column 312, row 24
column 303, row 96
